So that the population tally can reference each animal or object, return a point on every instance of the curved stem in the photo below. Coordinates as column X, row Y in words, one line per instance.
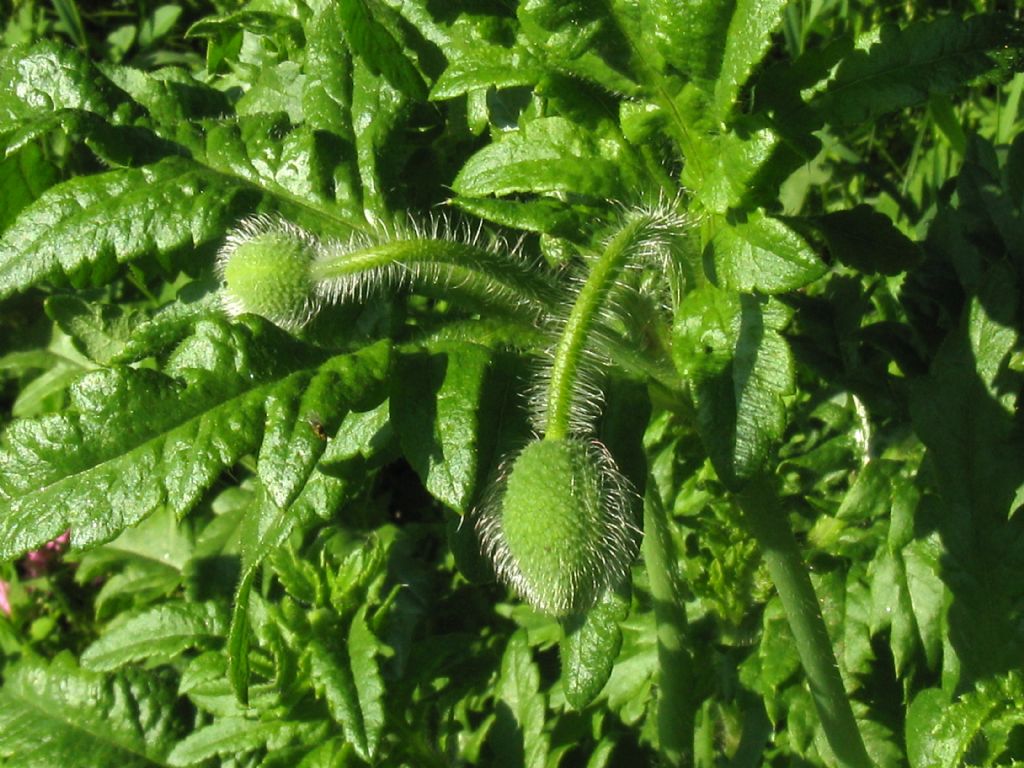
column 571, row 346
column 439, row 266
column 676, row 708
column 768, row 524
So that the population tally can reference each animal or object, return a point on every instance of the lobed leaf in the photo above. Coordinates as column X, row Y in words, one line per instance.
column 762, row 254
column 518, row 734
column 56, row 715
column 160, row 633
column 741, row 369
column 549, row 155
column 905, row 66
column 79, row 231
column 135, row 439
column 48, row 77
column 436, row 407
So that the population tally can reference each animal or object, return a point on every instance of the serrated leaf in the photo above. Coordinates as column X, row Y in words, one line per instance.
column 742, row 372
column 24, row 176
column 549, row 155
column 100, row 332
column 363, row 648
column 590, row 647
column 747, row 40
column 941, row 733
column 171, row 95
column 965, row 418
column 375, row 44
column 326, row 94
column 486, row 66
column 690, row 35
column 78, row 232
column 376, row 109
column 762, row 254
column 579, row 38
column 296, row 164
column 349, row 679
column 729, row 171
column 907, row 65
column 225, row 736
column 435, row 407
column 49, row 77
column 57, row 715
column 161, row 633
column 517, row 735
column 102, row 466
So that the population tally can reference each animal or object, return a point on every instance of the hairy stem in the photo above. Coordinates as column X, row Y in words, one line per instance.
column 565, row 369
column 765, row 520
column 439, row 266
column 676, row 713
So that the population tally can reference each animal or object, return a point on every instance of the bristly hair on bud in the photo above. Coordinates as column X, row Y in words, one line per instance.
column 265, row 269
column 557, row 524
column 273, row 268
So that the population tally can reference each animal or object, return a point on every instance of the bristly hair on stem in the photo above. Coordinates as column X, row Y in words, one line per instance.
column 568, row 392
column 276, row 269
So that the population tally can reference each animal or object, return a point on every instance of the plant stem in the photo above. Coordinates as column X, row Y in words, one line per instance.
column 676, row 712
column 765, row 520
column 569, row 354
column 440, row 266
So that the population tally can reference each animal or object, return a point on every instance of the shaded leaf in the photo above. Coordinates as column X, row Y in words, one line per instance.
column 730, row 348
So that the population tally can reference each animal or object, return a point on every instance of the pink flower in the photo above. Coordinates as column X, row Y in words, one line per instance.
column 5, row 602
column 38, row 561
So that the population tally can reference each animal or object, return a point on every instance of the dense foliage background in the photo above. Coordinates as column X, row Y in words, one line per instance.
column 268, row 562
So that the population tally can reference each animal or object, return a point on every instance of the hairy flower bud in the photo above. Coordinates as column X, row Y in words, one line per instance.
column 557, row 525
column 265, row 268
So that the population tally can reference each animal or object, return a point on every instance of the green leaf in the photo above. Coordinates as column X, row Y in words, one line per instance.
column 377, row 108
column 78, row 232
column 326, row 93
column 690, row 35
column 978, row 725
column 731, row 170
column 518, row 734
column 24, row 175
column 232, row 736
column 376, row 45
column 579, row 38
column 171, row 95
column 48, row 77
column 300, row 166
column 762, row 254
column 484, row 66
column 57, row 715
column 868, row 241
column 730, row 348
column 100, row 466
column 550, row 155
column 161, row 633
column 908, row 65
column 100, row 332
column 965, row 416
column 746, row 42
column 349, row 679
column 436, row 404
column 363, row 648
column 590, row 647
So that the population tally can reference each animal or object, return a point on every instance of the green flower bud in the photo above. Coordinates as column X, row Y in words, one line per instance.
column 265, row 268
column 557, row 525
